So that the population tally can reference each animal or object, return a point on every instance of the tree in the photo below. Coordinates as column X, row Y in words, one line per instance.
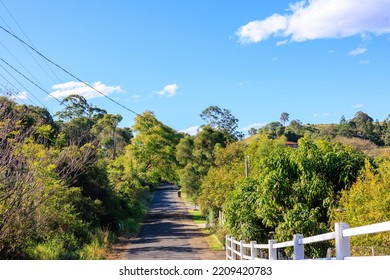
column 368, row 202
column 153, row 148
column 273, row 130
column 364, row 125
column 291, row 190
column 196, row 156
column 240, row 213
column 222, row 119
column 106, row 129
column 284, row 117
column 222, row 178
column 252, row 131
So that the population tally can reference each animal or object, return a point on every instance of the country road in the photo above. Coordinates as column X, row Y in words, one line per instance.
column 168, row 233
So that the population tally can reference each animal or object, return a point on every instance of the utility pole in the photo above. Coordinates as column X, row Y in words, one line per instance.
column 247, row 166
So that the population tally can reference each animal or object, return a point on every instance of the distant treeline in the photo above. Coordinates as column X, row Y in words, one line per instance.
column 361, row 126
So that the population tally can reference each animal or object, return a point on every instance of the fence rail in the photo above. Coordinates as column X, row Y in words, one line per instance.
column 250, row 251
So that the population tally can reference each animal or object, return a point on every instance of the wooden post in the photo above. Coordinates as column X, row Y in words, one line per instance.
column 232, row 248
column 253, row 250
column 271, row 250
column 343, row 247
column 299, row 251
column 242, row 249
column 227, row 246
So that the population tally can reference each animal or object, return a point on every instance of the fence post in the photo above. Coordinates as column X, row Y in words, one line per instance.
column 242, row 249
column 227, row 246
column 271, row 250
column 343, row 247
column 299, row 250
column 253, row 250
column 232, row 248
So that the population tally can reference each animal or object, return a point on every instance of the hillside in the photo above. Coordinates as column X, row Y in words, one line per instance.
column 361, row 133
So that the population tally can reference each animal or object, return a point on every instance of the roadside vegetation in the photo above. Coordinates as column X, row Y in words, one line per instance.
column 72, row 181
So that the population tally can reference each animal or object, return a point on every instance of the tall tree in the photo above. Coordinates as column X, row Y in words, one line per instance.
column 222, row 119
column 197, row 156
column 284, row 117
column 106, row 129
column 153, row 148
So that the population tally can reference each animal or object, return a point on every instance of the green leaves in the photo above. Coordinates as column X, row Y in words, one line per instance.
column 223, row 120
column 368, row 202
column 288, row 191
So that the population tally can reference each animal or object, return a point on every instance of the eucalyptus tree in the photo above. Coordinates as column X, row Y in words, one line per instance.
column 223, row 120
column 284, row 117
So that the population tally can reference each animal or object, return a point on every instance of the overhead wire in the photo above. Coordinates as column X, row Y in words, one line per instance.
column 21, row 64
column 20, row 84
column 19, row 91
column 11, row 93
column 44, row 70
column 28, row 79
column 66, row 71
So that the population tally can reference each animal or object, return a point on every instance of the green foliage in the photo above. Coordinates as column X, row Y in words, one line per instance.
column 196, row 156
column 67, row 187
column 228, row 171
column 153, row 149
column 223, row 120
column 57, row 188
column 240, row 213
column 308, row 179
column 289, row 190
column 368, row 202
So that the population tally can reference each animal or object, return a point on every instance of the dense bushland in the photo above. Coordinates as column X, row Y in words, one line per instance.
column 67, row 186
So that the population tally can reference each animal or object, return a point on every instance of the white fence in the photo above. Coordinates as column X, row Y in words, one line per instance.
column 251, row 251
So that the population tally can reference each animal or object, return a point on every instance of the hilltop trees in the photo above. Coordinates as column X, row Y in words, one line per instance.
column 284, row 117
column 223, row 120
column 361, row 126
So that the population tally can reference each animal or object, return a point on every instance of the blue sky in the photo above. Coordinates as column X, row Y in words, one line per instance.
column 316, row 60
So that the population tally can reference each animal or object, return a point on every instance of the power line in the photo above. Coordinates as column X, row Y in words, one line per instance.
column 67, row 72
column 28, row 79
column 21, row 64
column 11, row 93
column 13, row 18
column 15, row 87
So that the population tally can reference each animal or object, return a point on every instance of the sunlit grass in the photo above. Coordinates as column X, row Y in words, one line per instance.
column 199, row 219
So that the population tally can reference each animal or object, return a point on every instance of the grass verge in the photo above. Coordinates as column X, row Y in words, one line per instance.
column 199, row 219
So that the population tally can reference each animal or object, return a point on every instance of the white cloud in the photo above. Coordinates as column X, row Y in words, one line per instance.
column 281, row 43
column 169, row 90
column 20, row 96
column 318, row 19
column 193, row 130
column 357, row 51
column 69, row 88
column 260, row 30
column 253, row 125
column 326, row 114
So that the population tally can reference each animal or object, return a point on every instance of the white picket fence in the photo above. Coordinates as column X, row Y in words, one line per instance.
column 239, row 250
